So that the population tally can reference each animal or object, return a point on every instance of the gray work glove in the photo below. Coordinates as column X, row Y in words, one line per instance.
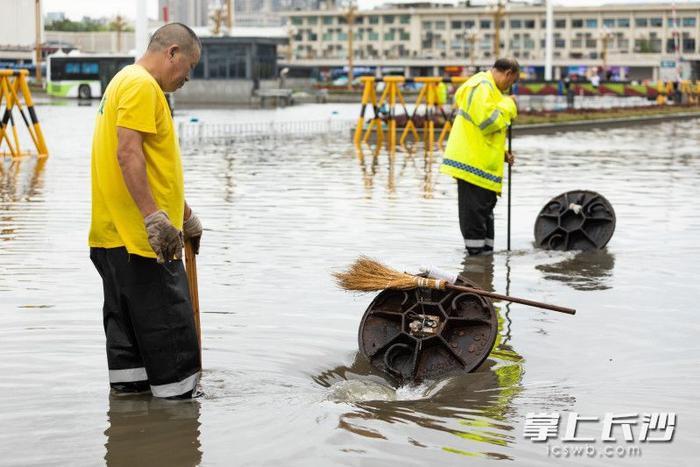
column 163, row 237
column 192, row 228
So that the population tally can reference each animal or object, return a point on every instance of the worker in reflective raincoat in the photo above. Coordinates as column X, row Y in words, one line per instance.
column 476, row 150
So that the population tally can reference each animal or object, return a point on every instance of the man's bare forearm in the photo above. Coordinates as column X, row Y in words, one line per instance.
column 133, row 167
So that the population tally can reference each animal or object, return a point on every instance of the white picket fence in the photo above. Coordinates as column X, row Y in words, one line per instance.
column 194, row 132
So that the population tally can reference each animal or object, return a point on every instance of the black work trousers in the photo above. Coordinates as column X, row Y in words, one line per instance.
column 476, row 217
column 148, row 323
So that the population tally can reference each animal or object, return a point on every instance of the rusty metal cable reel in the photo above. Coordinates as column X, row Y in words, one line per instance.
column 420, row 334
column 575, row 220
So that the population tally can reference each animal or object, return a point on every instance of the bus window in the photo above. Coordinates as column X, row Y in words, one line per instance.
column 72, row 68
column 90, row 68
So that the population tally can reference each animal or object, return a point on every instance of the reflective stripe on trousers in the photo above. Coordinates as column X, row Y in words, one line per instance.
column 129, row 375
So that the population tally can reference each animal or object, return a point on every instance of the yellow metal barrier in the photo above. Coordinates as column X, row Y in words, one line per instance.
column 13, row 84
column 391, row 97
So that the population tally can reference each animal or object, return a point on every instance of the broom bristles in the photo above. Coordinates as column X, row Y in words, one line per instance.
column 368, row 275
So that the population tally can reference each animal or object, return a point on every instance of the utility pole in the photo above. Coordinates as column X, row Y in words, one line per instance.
column 548, row 40
column 141, row 27
column 37, row 46
column 119, row 25
column 605, row 37
column 676, row 42
column 350, row 16
column 471, row 36
column 291, row 32
column 497, row 16
column 229, row 15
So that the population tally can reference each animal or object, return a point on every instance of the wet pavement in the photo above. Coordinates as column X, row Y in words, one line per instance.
column 283, row 382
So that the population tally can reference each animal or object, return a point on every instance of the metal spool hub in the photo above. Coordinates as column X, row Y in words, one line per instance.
column 420, row 334
column 576, row 220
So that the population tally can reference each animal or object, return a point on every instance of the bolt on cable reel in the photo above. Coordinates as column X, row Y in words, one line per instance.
column 575, row 220
column 418, row 334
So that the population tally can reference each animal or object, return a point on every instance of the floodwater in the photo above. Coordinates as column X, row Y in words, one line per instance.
column 283, row 382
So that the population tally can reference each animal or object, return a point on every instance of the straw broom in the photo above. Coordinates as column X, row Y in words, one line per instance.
column 368, row 275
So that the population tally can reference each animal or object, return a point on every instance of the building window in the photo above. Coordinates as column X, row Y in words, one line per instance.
column 327, row 20
column 516, row 24
column 485, row 24
column 404, row 19
column 427, row 25
column 689, row 22
column 688, row 44
column 404, row 36
column 591, row 23
column 641, row 22
column 342, row 36
column 389, row 36
column 609, row 22
column 440, row 25
column 327, row 36
column 312, row 20
column 559, row 43
column 560, row 23
column 456, row 25
column 374, row 20
column 469, row 24
column 529, row 24
column 374, row 36
column 670, row 45
column 296, row 20
column 576, row 23
column 646, row 46
column 388, row 19
column 656, row 22
column 623, row 22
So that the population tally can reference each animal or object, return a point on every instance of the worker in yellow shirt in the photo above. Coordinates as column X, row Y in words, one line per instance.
column 475, row 151
column 140, row 220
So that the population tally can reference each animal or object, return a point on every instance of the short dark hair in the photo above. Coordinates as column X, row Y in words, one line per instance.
column 507, row 64
column 174, row 33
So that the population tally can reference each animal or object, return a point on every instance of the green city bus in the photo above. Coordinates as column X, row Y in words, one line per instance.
column 82, row 75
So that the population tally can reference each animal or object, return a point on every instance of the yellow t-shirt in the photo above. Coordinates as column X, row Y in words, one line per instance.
column 133, row 100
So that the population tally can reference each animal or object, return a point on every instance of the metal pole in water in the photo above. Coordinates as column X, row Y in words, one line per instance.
column 510, row 178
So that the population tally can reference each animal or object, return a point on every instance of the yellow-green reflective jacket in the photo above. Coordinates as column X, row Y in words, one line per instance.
column 476, row 145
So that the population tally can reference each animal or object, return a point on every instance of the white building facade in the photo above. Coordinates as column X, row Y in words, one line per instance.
column 18, row 31
column 635, row 39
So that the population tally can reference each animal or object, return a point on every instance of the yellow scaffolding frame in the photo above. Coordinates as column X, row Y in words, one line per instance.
column 391, row 97
column 10, row 91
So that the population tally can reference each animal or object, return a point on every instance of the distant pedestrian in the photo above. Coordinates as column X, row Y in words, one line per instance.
column 476, row 150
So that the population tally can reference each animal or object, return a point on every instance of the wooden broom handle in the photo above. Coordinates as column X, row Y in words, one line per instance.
column 191, row 267
column 461, row 288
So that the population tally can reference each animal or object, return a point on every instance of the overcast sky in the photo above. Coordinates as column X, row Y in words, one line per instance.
column 76, row 9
